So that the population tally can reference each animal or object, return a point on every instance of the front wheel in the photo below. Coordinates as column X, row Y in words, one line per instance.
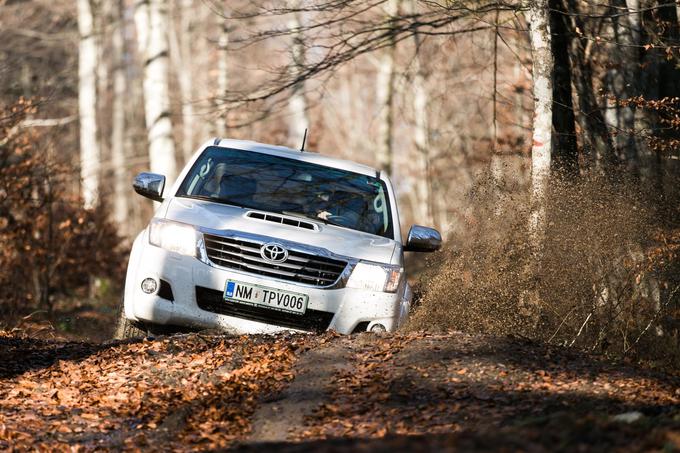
column 126, row 329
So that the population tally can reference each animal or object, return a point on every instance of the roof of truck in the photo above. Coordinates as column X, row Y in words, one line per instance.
column 306, row 156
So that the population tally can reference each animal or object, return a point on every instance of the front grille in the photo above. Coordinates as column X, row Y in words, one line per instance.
column 213, row 301
column 300, row 267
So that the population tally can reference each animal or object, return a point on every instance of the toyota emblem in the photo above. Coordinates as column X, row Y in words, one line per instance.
column 274, row 253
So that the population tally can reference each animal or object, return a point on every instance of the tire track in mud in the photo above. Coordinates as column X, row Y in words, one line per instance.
column 279, row 419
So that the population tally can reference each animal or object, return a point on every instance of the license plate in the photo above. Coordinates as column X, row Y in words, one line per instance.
column 262, row 296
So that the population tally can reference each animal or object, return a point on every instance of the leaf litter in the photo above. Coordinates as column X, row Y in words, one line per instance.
column 446, row 392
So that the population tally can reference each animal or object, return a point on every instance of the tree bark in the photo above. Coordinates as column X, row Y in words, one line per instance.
column 621, row 83
column 421, row 140
column 669, row 72
column 222, row 74
column 118, row 161
column 385, row 95
column 152, row 31
column 565, row 153
column 542, row 58
column 182, row 61
column 297, row 103
column 598, row 148
column 90, row 154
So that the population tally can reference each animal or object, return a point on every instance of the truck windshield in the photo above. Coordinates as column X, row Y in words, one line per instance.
column 288, row 186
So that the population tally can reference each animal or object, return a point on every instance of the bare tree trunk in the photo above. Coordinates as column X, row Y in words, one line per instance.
column 152, row 31
column 385, row 96
column 539, row 34
column 90, row 153
column 621, row 83
column 181, row 54
column 496, row 164
column 297, row 103
column 597, row 143
column 565, row 153
column 103, row 16
column 222, row 74
column 120, row 179
column 421, row 139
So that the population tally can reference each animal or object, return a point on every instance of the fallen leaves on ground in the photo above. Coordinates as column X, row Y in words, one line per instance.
column 190, row 390
column 407, row 386
column 444, row 392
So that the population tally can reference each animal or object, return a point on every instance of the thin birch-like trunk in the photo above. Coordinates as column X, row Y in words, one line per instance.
column 565, row 152
column 151, row 21
column 598, row 147
column 183, row 57
column 496, row 165
column 297, row 103
column 542, row 58
column 385, row 96
column 621, row 83
column 186, row 79
column 103, row 16
column 222, row 74
column 421, row 140
column 90, row 153
column 120, row 179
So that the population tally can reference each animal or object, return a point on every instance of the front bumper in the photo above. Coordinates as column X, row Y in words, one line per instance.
column 194, row 283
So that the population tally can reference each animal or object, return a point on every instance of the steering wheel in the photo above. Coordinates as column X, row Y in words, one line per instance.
column 343, row 220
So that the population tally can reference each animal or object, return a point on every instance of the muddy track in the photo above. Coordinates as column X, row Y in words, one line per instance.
column 284, row 415
column 298, row 392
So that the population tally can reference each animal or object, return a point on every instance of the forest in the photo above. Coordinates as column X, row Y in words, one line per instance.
column 540, row 137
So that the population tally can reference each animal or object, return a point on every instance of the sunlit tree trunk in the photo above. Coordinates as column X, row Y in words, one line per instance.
column 103, row 18
column 297, row 103
column 184, row 76
column 118, row 161
column 542, row 58
column 421, row 140
column 222, row 74
column 621, row 83
column 183, row 63
column 597, row 143
column 496, row 165
column 152, row 31
column 90, row 154
column 385, row 95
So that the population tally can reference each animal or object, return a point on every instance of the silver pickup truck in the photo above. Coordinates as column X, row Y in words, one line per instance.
column 256, row 238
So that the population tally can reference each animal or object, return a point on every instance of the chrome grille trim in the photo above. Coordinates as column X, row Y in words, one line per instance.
column 256, row 252
column 305, row 265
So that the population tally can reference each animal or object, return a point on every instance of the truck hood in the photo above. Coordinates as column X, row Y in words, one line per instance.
column 338, row 240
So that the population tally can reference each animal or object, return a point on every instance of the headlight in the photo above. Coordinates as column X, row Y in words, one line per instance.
column 173, row 236
column 375, row 277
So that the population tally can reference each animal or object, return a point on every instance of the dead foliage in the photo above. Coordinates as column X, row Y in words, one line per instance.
column 51, row 245
column 462, row 392
column 607, row 278
column 446, row 391
column 193, row 391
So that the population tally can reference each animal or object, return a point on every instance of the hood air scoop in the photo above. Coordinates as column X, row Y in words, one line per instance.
column 283, row 220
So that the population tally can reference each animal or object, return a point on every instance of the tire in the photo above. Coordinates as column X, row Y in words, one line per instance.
column 126, row 329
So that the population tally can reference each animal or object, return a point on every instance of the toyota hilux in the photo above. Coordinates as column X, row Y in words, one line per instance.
column 255, row 238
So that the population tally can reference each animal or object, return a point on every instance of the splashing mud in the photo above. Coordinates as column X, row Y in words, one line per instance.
column 606, row 278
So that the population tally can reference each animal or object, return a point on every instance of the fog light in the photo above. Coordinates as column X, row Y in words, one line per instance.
column 378, row 328
column 149, row 285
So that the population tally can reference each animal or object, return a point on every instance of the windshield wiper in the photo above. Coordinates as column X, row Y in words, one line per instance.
column 310, row 217
column 221, row 201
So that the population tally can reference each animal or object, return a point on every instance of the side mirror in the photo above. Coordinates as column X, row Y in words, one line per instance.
column 423, row 239
column 150, row 185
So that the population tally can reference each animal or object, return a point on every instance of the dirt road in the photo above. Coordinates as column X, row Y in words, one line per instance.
column 330, row 393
